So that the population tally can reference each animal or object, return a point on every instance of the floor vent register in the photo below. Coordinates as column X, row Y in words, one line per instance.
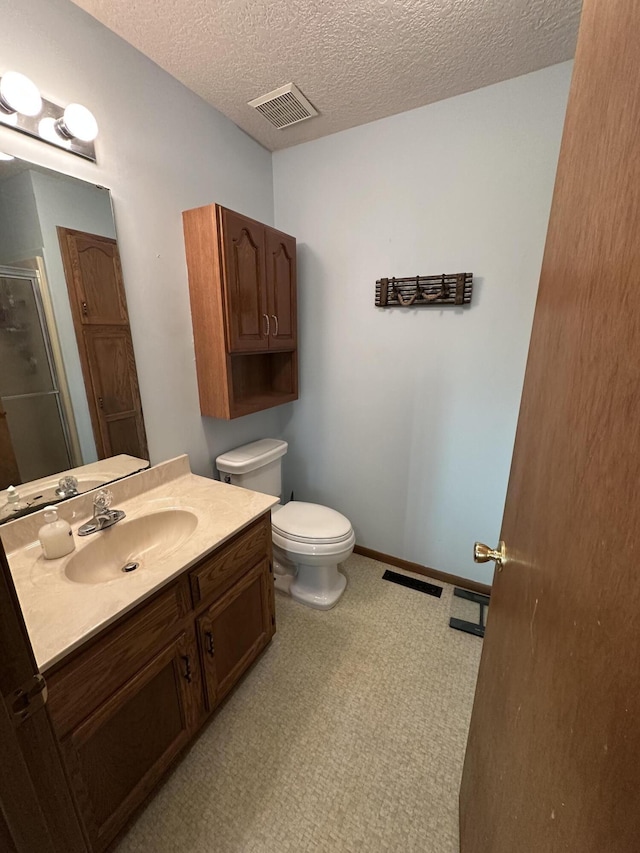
column 412, row 583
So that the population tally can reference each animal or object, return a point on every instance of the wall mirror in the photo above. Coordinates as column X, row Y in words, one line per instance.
column 69, row 397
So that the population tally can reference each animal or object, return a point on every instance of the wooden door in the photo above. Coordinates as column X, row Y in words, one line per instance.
column 95, row 278
column 553, row 753
column 101, row 322
column 36, row 806
column 245, row 288
column 114, row 386
column 119, row 752
column 281, row 287
column 234, row 630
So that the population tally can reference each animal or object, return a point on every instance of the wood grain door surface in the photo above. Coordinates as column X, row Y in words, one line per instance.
column 281, row 289
column 553, row 758
column 97, row 278
column 101, row 322
column 37, row 812
column 245, row 285
column 234, row 630
column 120, row 751
column 115, row 386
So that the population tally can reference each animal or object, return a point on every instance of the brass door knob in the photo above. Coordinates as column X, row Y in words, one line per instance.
column 483, row 554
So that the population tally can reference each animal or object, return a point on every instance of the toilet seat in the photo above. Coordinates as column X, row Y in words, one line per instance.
column 309, row 543
column 310, row 524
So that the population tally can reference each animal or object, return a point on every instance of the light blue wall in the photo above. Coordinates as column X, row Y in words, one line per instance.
column 161, row 150
column 407, row 417
column 70, row 204
column 20, row 234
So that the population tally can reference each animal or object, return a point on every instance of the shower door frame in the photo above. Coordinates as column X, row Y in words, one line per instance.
column 35, row 275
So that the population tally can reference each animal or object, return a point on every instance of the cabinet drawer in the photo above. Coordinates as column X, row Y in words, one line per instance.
column 217, row 573
column 88, row 679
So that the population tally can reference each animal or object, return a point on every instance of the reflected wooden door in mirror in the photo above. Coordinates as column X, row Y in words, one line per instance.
column 101, row 322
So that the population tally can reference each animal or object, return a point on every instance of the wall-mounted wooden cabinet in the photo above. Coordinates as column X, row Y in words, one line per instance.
column 242, row 284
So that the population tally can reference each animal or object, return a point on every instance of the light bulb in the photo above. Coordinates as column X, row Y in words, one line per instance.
column 78, row 123
column 19, row 94
column 4, row 156
column 8, row 118
column 47, row 129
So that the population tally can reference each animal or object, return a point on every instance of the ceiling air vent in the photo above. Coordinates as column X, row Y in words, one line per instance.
column 284, row 106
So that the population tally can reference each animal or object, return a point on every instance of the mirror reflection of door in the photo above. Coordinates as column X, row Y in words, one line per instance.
column 33, row 427
column 101, row 322
column 86, row 405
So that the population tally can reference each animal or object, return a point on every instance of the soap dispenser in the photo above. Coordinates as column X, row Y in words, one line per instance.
column 13, row 505
column 56, row 536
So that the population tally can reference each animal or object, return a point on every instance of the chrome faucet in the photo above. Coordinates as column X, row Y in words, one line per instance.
column 103, row 516
column 67, row 487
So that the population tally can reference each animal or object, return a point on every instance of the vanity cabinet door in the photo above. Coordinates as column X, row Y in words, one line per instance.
column 281, row 288
column 245, row 286
column 119, row 752
column 234, row 630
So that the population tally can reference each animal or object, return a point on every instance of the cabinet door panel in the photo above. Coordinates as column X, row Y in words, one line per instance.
column 95, row 279
column 119, row 752
column 114, row 386
column 234, row 631
column 281, row 287
column 245, row 288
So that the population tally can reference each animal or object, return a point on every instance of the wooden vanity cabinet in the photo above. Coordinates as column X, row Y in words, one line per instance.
column 125, row 704
column 242, row 285
column 234, row 630
column 117, row 755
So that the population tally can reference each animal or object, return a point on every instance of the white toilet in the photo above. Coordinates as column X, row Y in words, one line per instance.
column 309, row 540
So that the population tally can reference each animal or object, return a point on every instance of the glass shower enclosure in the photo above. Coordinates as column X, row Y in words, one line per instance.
column 34, row 438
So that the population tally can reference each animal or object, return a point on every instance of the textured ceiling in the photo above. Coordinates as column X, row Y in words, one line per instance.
column 355, row 60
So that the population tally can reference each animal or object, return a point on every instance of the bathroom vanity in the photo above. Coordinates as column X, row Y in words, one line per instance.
column 136, row 662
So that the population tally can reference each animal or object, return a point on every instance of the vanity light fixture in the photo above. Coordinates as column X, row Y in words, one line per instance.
column 18, row 94
column 77, row 122
column 48, row 131
column 22, row 108
column 8, row 118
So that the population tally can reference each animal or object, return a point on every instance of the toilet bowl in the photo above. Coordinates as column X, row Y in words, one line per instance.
column 309, row 540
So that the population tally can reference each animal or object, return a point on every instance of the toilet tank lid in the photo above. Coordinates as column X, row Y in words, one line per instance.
column 247, row 458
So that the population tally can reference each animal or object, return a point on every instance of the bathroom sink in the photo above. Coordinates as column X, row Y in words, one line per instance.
column 47, row 491
column 130, row 547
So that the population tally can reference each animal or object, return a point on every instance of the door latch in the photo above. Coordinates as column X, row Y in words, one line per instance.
column 27, row 699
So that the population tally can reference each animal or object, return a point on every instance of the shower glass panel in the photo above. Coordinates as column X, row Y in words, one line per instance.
column 29, row 390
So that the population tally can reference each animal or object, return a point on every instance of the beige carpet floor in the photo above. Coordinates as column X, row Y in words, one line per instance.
column 347, row 735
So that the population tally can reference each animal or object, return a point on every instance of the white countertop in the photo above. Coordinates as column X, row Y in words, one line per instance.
column 89, row 477
column 61, row 614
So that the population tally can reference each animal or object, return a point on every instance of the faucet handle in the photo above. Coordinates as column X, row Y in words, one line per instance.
column 68, row 485
column 102, row 500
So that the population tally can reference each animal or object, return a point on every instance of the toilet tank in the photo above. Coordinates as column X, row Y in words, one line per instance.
column 256, row 466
